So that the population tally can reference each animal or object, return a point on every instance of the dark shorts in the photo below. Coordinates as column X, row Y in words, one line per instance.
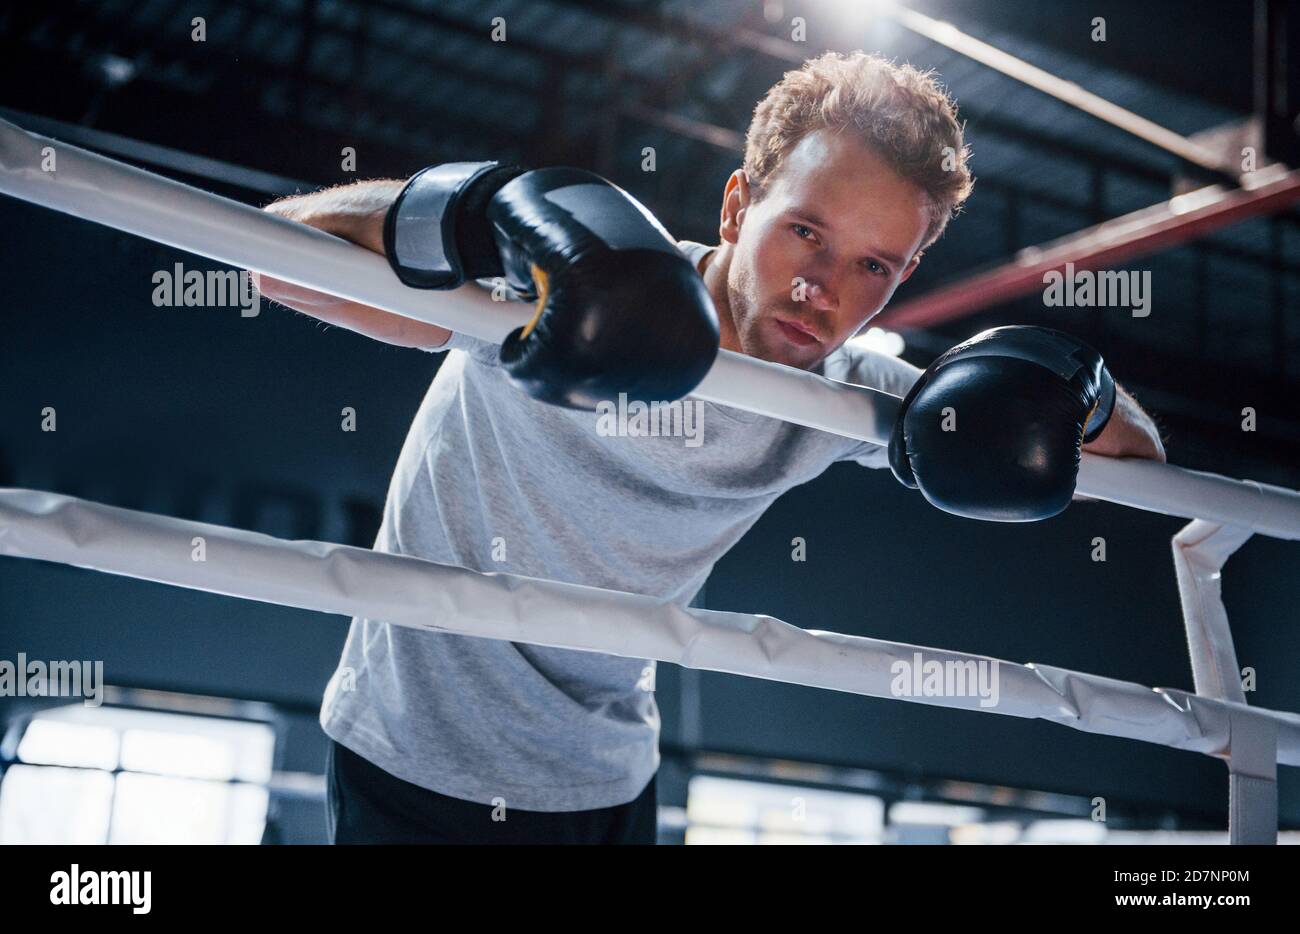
column 365, row 804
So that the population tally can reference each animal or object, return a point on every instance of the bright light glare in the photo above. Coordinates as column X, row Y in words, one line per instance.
column 931, row 813
column 46, row 805
column 155, row 809
column 53, row 742
column 881, row 341
column 728, row 810
column 852, row 18
column 177, row 754
column 1065, row 831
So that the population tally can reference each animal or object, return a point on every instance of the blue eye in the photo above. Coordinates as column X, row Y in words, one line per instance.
column 801, row 231
column 876, row 268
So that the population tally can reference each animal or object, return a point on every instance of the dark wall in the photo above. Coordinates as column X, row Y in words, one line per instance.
column 203, row 414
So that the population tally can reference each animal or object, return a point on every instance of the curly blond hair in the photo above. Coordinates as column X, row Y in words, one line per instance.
column 902, row 113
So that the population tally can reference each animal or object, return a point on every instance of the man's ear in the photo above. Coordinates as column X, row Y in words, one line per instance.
column 735, row 201
column 911, row 267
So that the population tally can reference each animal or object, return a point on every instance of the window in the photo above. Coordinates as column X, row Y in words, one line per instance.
column 122, row 775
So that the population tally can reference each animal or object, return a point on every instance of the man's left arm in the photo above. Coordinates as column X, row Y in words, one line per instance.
column 1130, row 432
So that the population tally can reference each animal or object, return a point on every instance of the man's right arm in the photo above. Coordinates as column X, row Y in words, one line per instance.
column 353, row 212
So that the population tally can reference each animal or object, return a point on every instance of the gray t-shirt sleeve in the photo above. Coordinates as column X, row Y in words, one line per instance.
column 481, row 350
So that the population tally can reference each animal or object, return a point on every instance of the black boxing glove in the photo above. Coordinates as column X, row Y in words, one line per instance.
column 437, row 234
column 994, row 428
column 619, row 308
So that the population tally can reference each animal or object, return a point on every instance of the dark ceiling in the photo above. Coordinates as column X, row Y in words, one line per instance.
column 282, row 86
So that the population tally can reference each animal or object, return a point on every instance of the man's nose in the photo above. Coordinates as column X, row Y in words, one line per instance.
column 820, row 294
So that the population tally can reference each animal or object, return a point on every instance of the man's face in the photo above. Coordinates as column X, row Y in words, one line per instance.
column 835, row 216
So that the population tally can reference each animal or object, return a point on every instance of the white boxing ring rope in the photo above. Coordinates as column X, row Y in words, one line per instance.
column 421, row 594
column 108, row 192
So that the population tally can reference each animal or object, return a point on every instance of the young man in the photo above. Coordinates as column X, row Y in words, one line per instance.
column 853, row 167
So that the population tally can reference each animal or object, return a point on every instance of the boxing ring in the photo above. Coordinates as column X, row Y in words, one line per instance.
column 409, row 591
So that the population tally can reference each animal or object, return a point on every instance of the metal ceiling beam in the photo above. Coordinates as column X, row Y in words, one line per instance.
column 949, row 36
column 688, row 127
column 1065, row 147
column 1162, row 226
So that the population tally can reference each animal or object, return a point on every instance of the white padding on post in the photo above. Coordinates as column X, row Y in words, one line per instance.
column 1200, row 550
